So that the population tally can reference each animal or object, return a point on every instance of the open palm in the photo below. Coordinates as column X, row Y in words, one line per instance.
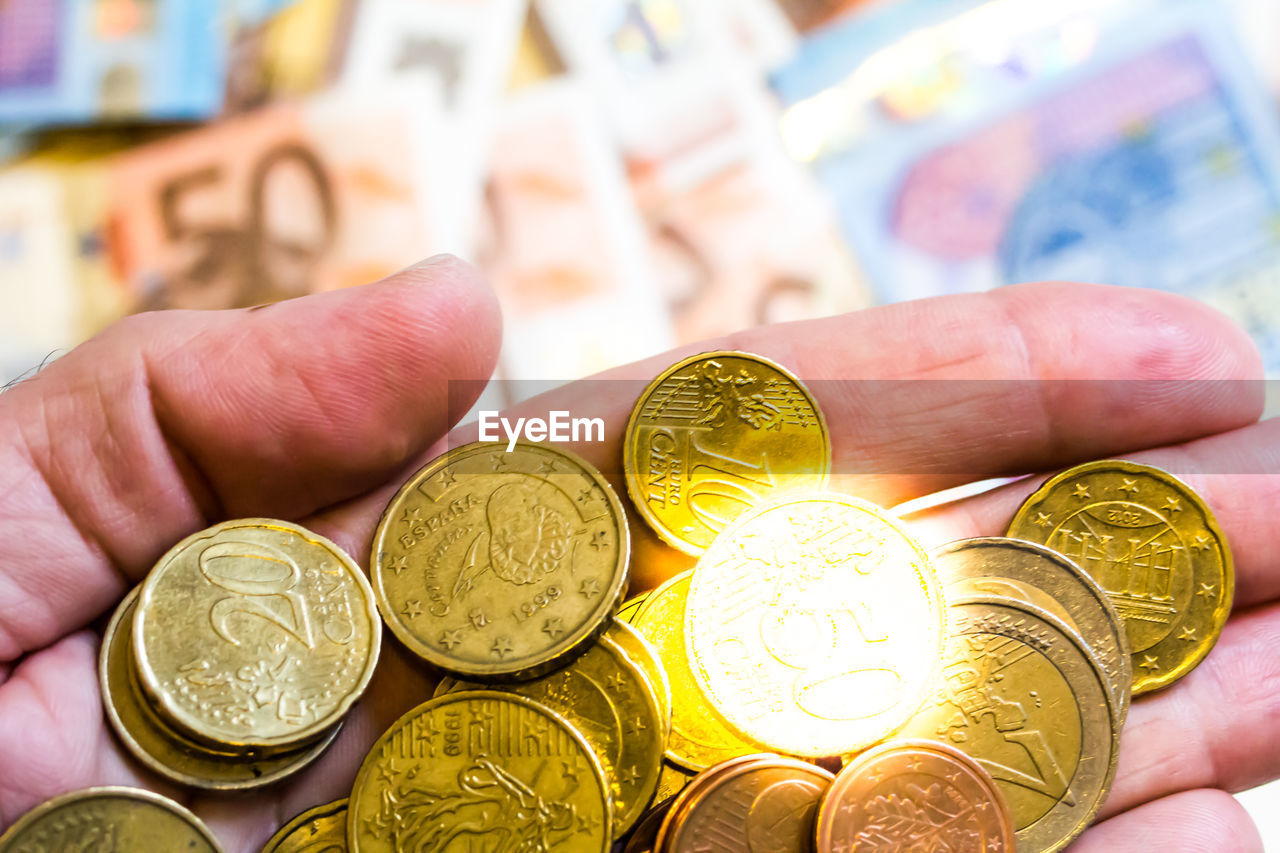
column 316, row 410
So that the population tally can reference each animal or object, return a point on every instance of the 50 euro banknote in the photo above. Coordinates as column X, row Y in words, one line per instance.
column 294, row 198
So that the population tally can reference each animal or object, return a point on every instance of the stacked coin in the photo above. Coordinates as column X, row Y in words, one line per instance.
column 974, row 694
column 235, row 661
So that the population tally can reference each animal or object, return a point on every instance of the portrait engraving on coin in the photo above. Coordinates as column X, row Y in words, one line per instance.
column 492, row 563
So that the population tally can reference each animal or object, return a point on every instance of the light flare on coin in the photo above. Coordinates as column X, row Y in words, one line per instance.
column 815, row 624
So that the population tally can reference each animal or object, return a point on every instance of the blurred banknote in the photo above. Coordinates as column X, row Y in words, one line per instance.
column 37, row 278
column 290, row 199
column 740, row 233
column 1146, row 154
column 562, row 243
column 78, row 61
column 296, row 50
column 458, row 55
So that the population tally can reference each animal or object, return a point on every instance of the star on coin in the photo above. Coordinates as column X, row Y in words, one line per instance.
column 1149, row 663
column 553, row 627
column 1201, row 542
column 1172, row 504
column 498, row 462
column 412, row 515
column 449, row 639
column 599, row 540
column 1188, row 634
column 585, row 495
column 588, row 823
column 547, row 467
column 1206, row 590
column 570, row 769
column 913, row 765
column 1043, row 519
column 636, row 726
column 447, row 479
column 387, row 774
column 412, row 609
column 615, row 682
column 398, row 565
column 1130, row 487
column 630, row 775
column 502, row 647
column 589, row 588
column 1081, row 492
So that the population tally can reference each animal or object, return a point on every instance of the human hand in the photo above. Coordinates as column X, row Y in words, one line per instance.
column 317, row 409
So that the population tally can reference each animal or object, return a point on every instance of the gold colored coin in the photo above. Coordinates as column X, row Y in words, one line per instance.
column 645, row 657
column 716, row 434
column 607, row 699
column 501, row 565
column 764, row 804
column 167, row 752
column 480, row 765
column 672, row 781
column 109, row 819
column 631, row 607
column 905, row 795
column 699, row 737
column 815, row 624
column 322, row 829
column 1022, row 697
column 255, row 634
column 998, row 566
column 1150, row 541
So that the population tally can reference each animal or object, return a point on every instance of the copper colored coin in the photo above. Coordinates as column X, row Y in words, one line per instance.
column 645, row 835
column 916, row 794
column 761, row 804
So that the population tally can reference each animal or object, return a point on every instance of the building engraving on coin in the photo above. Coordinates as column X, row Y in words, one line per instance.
column 255, row 633
column 714, row 435
column 480, row 771
column 787, row 627
column 489, row 563
column 1156, row 549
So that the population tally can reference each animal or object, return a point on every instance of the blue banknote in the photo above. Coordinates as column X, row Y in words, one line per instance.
column 1122, row 142
column 77, row 61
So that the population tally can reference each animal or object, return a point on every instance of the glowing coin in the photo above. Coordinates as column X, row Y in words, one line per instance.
column 815, row 624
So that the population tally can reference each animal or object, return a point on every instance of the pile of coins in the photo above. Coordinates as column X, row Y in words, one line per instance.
column 819, row 681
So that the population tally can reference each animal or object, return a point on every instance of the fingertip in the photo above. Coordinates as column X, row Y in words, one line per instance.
column 1157, row 335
